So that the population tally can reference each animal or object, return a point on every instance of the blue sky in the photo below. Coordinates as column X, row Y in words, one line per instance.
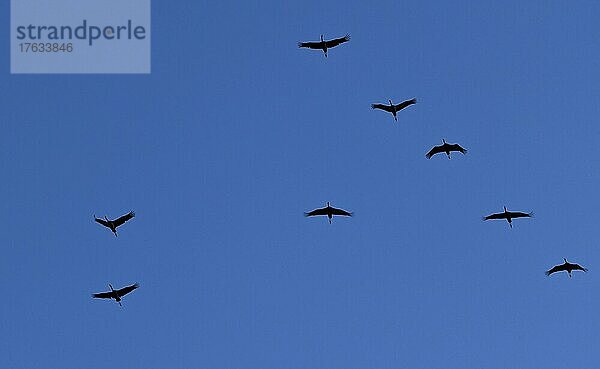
column 237, row 132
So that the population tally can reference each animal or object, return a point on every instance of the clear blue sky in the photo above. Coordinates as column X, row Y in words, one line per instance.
column 237, row 132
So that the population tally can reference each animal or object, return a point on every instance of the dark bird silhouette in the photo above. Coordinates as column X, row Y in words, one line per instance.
column 113, row 224
column 394, row 108
column 329, row 211
column 115, row 294
column 566, row 266
column 324, row 45
column 447, row 148
column 508, row 215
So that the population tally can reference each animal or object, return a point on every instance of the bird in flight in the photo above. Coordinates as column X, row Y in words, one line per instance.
column 115, row 294
column 329, row 211
column 394, row 108
column 447, row 148
column 113, row 224
column 508, row 215
column 566, row 266
column 324, row 45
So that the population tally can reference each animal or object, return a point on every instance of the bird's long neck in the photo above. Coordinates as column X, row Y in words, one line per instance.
column 390, row 102
column 506, row 211
column 327, row 203
column 565, row 259
column 321, row 38
column 444, row 141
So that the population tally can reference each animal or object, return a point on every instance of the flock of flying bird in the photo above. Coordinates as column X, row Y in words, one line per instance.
column 112, row 225
column 445, row 147
column 329, row 210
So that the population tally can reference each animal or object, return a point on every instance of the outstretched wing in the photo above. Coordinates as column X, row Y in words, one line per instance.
column 123, row 218
column 382, row 107
column 406, row 103
column 457, row 147
column 102, row 221
column 337, row 41
column 125, row 290
column 102, row 295
column 556, row 268
column 335, row 211
column 578, row 267
column 518, row 214
column 495, row 216
column 321, row 211
column 311, row 45
column 433, row 151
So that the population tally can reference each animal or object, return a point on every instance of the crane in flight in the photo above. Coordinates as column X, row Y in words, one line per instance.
column 508, row 215
column 324, row 45
column 113, row 224
column 447, row 148
column 115, row 294
column 394, row 108
column 566, row 266
column 329, row 211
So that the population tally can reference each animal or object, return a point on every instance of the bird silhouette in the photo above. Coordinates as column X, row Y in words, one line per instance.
column 566, row 266
column 394, row 108
column 447, row 148
column 113, row 224
column 329, row 211
column 324, row 45
column 115, row 294
column 508, row 215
